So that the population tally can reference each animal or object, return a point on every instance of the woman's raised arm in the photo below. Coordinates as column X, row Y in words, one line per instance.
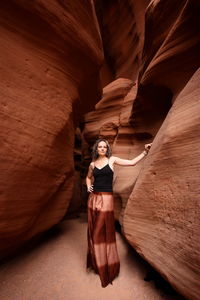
column 134, row 161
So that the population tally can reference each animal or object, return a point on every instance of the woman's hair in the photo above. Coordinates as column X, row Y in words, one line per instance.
column 95, row 154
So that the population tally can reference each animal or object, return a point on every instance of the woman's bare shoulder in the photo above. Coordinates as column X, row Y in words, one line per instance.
column 91, row 165
column 112, row 159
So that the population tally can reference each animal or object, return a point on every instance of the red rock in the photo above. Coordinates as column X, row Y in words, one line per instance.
column 122, row 28
column 50, row 59
column 161, row 219
column 172, row 44
column 110, row 120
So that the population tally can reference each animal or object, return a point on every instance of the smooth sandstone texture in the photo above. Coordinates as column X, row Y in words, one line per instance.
column 170, row 56
column 110, row 120
column 161, row 219
column 164, row 214
column 172, row 44
column 122, row 26
column 50, row 55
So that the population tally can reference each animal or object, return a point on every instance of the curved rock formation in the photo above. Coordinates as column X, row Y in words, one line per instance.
column 51, row 55
column 122, row 29
column 50, row 59
column 161, row 219
column 172, row 44
column 110, row 120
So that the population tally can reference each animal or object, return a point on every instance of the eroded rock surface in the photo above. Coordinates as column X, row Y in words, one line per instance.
column 50, row 58
column 122, row 26
column 161, row 219
column 110, row 120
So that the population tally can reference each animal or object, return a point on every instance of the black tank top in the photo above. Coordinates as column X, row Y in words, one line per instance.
column 103, row 179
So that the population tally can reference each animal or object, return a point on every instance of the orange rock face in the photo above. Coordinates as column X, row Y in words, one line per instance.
column 51, row 54
column 161, row 219
column 122, row 30
column 50, row 59
column 111, row 121
column 172, row 44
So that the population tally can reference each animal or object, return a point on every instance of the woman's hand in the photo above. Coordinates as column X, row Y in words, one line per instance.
column 90, row 189
column 147, row 147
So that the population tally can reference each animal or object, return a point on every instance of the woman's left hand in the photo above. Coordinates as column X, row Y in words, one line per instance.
column 147, row 147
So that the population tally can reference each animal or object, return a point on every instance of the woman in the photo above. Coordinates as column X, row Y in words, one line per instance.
column 102, row 254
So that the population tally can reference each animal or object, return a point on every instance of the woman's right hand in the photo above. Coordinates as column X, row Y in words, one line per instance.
column 90, row 189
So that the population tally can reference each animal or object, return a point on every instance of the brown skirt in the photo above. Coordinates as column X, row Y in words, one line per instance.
column 102, row 254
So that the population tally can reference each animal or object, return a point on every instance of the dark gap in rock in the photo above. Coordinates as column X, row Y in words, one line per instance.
column 118, row 226
column 152, row 104
column 151, row 274
column 143, row 135
column 160, row 282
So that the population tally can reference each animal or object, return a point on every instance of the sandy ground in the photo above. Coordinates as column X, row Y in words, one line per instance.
column 54, row 269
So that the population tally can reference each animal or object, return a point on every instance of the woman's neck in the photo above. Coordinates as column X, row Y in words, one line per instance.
column 102, row 158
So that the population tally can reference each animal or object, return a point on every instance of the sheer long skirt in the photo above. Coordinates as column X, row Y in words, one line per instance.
column 102, row 254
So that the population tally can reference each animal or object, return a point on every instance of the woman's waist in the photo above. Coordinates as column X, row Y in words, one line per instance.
column 102, row 188
column 102, row 193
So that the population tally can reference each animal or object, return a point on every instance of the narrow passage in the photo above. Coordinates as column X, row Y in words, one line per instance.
column 54, row 269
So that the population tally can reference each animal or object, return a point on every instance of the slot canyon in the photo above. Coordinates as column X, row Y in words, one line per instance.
column 73, row 71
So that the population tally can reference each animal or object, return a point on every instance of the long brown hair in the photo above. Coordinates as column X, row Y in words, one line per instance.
column 95, row 154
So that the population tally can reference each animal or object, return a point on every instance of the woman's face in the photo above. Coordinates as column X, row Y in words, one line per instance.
column 102, row 148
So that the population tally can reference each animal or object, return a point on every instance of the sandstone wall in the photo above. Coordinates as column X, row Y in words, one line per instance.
column 164, row 222
column 122, row 29
column 50, row 59
column 110, row 120
column 161, row 219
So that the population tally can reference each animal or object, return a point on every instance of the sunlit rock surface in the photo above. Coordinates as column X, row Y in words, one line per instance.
column 161, row 219
column 50, row 58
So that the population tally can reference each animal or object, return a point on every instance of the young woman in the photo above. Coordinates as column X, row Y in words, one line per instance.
column 102, row 254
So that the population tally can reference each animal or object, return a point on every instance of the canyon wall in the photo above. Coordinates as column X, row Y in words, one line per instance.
column 51, row 54
column 51, row 60
column 122, row 30
column 161, row 219
column 157, row 203
column 110, row 120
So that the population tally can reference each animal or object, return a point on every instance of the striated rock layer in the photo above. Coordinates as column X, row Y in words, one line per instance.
column 161, row 219
column 172, row 44
column 122, row 28
column 50, row 58
column 110, row 120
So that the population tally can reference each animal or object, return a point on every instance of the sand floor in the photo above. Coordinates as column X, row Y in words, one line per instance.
column 54, row 269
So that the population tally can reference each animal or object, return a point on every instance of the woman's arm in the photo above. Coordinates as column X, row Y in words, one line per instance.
column 89, row 179
column 134, row 161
